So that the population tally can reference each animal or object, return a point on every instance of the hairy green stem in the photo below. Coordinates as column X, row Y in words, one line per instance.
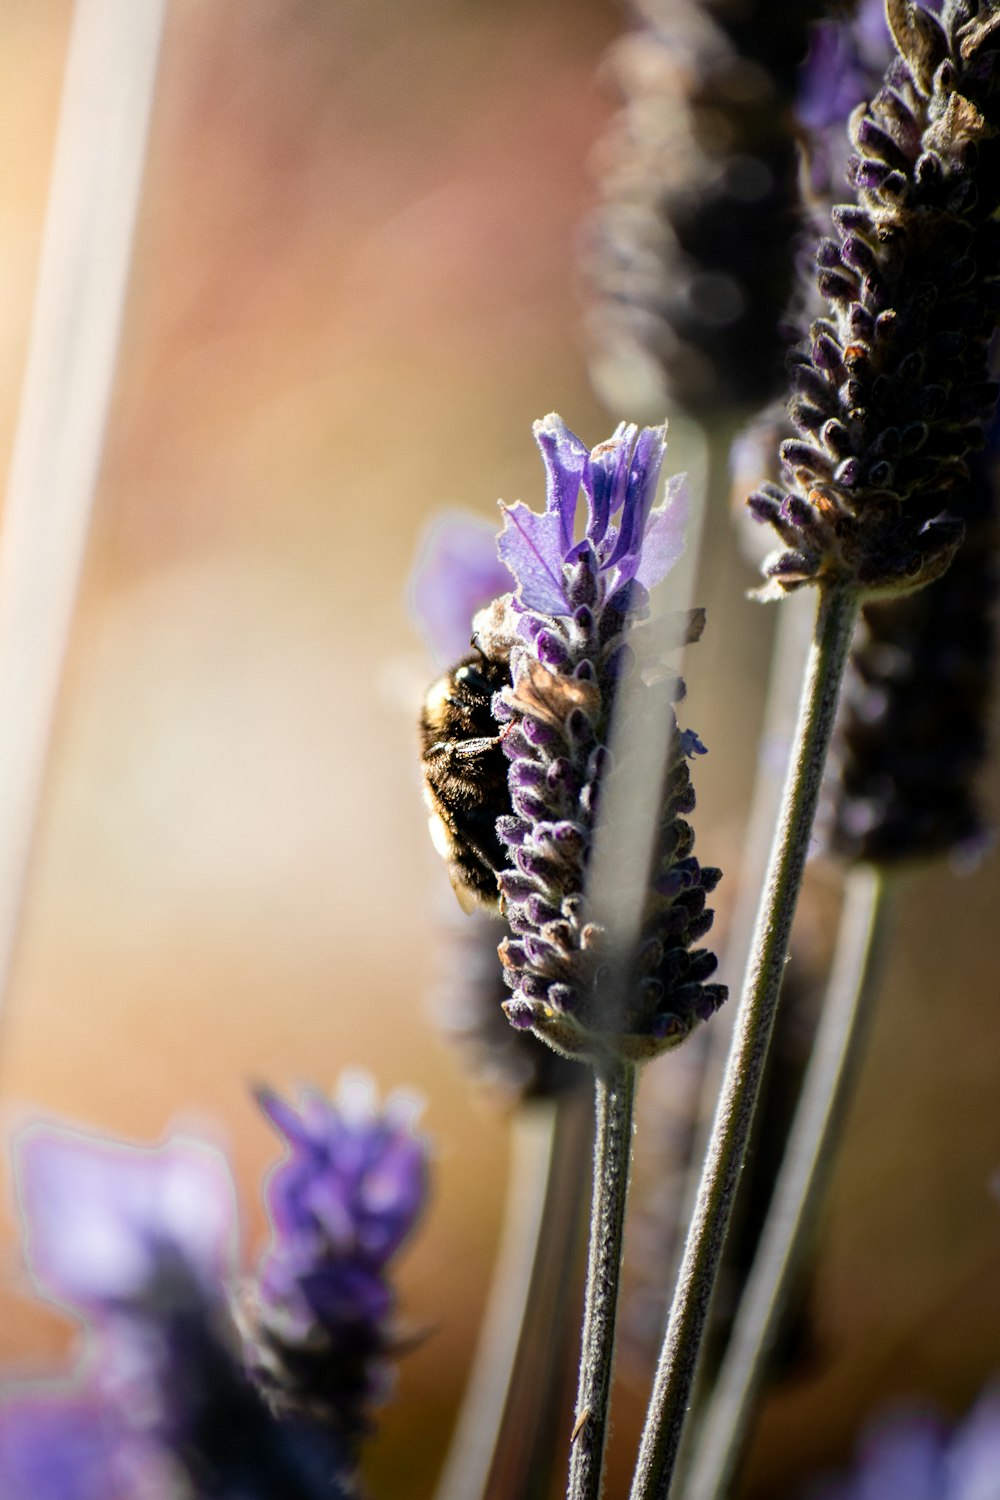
column 614, row 1100
column 836, row 619
column 800, row 1187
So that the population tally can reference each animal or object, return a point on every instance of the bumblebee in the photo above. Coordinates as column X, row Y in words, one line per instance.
column 465, row 772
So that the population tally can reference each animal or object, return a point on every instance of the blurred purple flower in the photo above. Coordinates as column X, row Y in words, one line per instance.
column 101, row 1217
column 456, row 572
column 141, row 1241
column 69, row 1446
column 915, row 1457
column 341, row 1204
column 843, row 67
column 355, row 1178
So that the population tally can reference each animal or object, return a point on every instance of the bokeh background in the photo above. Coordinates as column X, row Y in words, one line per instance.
column 354, row 289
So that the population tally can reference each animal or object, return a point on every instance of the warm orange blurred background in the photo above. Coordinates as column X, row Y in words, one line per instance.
column 354, row 289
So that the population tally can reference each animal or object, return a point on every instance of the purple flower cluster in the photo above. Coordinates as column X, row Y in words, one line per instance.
column 918, row 1458
column 893, row 385
column 565, row 632
column 341, row 1204
column 140, row 1243
column 912, row 727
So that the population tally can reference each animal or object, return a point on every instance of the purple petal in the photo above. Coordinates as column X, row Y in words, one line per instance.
column 355, row 1178
column 666, row 533
column 70, row 1447
column 99, row 1215
column 973, row 1462
column 285, row 1119
column 565, row 458
column 457, row 571
column 606, row 480
column 643, row 481
column 532, row 547
column 904, row 1459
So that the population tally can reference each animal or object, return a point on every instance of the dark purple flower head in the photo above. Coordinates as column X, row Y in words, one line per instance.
column 893, row 385
column 581, row 584
column 467, row 997
column 912, row 731
column 341, row 1204
column 915, row 1457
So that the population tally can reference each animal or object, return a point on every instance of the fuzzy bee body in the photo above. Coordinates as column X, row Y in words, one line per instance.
column 465, row 774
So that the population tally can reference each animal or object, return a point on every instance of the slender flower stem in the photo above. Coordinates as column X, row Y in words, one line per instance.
column 837, row 616
column 516, row 1379
column 614, row 1098
column 801, row 1183
column 791, row 643
column 788, row 658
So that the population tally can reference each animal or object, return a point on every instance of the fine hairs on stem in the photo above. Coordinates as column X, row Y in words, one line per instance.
column 801, row 1183
column 836, row 618
column 614, row 1093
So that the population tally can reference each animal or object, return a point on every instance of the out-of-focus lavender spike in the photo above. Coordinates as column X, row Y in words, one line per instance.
column 915, row 1456
column 319, row 1320
column 70, row 1445
column 912, row 734
column 456, row 572
column 691, row 252
column 139, row 1241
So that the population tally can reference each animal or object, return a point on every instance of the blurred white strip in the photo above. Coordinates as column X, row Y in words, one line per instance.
column 621, row 863
column 79, row 299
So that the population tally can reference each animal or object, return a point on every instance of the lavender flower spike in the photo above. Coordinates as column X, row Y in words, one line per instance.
column 341, row 1204
column 565, row 630
column 894, row 385
column 141, row 1241
column 104, row 1219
